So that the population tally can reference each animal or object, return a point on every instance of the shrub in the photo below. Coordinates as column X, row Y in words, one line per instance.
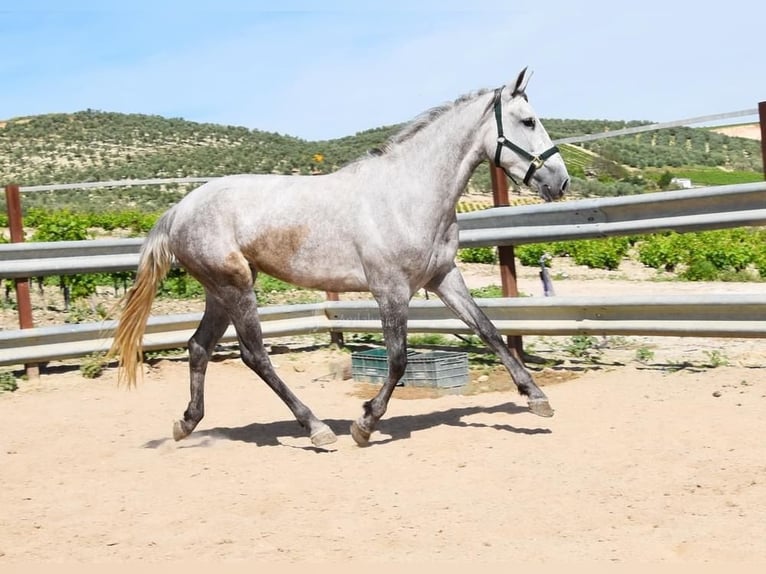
column 601, row 253
column 92, row 366
column 663, row 251
column 700, row 270
column 7, row 382
column 530, row 255
column 478, row 255
column 65, row 226
column 706, row 255
column 583, row 347
column 178, row 283
column 727, row 248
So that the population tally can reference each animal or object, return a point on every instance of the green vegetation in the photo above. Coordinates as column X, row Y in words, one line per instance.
column 594, row 253
column 723, row 254
column 671, row 147
column 583, row 347
column 737, row 254
column 427, row 339
column 99, row 146
column 478, row 255
column 716, row 359
column 92, row 366
column 703, row 176
column 644, row 355
column 7, row 382
column 488, row 292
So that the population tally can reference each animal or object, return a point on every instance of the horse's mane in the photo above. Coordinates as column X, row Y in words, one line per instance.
column 422, row 121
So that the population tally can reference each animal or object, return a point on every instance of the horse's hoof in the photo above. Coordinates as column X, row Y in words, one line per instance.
column 323, row 437
column 178, row 431
column 360, row 434
column 540, row 407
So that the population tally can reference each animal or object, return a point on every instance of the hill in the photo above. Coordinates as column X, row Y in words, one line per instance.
column 95, row 146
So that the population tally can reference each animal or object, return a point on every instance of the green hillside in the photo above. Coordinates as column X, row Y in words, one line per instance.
column 97, row 146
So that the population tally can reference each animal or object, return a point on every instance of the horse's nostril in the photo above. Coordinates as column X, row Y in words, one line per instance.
column 565, row 186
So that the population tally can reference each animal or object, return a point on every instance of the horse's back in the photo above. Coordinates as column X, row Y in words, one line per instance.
column 249, row 198
column 296, row 228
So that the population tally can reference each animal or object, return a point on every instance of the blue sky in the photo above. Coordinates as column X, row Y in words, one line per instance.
column 321, row 70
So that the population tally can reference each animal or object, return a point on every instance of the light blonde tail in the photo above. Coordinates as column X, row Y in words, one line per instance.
column 154, row 263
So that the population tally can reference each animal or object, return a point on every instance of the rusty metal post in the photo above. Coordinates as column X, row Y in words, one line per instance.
column 762, row 118
column 336, row 337
column 23, row 300
column 505, row 254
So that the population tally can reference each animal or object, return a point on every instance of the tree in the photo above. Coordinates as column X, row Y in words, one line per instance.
column 665, row 180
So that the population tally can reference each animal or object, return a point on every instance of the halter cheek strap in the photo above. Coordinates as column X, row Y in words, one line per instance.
column 535, row 161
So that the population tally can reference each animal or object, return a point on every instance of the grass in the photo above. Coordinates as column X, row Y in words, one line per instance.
column 703, row 176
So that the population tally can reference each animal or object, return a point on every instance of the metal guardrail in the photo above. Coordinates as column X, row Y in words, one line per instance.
column 30, row 259
column 685, row 210
column 696, row 209
column 702, row 208
column 701, row 316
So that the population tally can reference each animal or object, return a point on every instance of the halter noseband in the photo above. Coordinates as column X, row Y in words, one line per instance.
column 535, row 161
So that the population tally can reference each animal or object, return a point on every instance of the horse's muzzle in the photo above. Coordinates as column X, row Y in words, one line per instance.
column 553, row 193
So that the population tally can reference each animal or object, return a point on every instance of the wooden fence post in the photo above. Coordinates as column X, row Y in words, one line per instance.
column 506, row 255
column 23, row 300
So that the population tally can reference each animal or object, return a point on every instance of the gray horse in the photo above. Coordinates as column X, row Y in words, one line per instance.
column 384, row 224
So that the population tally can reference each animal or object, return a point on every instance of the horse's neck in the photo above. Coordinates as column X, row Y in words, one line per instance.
column 447, row 151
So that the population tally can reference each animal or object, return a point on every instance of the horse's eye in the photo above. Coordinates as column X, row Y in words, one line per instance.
column 529, row 122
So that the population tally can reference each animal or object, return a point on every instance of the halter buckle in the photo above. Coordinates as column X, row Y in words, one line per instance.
column 538, row 162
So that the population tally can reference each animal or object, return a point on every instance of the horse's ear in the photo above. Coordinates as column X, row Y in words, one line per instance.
column 521, row 82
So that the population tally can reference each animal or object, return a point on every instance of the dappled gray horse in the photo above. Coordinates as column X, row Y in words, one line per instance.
column 385, row 224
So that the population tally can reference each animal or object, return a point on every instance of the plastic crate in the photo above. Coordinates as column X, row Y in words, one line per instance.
column 372, row 366
column 439, row 369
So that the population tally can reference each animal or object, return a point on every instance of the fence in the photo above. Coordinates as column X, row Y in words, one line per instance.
column 711, row 315
column 698, row 209
column 685, row 210
column 741, row 316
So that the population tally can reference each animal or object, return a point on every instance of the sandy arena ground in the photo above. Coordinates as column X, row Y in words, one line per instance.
column 657, row 462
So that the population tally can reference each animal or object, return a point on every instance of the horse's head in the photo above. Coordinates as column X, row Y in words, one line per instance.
column 518, row 143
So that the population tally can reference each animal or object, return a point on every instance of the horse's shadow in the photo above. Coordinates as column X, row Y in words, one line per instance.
column 394, row 428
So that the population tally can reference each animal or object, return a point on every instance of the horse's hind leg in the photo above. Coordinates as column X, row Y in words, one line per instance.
column 244, row 315
column 452, row 290
column 210, row 330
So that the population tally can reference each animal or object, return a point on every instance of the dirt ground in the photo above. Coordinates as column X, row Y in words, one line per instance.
column 654, row 460
column 749, row 131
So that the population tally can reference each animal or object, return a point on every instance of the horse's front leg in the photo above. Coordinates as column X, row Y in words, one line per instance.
column 452, row 290
column 393, row 314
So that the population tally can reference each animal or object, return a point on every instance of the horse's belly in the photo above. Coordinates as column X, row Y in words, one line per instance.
column 334, row 280
column 336, row 270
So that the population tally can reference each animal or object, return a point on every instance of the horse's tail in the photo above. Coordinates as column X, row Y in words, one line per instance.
column 153, row 264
